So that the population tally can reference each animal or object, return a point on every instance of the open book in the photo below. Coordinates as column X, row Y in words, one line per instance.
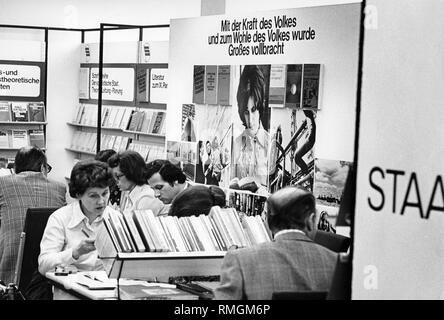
column 96, row 280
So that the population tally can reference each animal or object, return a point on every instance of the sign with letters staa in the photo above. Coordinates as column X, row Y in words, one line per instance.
column 399, row 214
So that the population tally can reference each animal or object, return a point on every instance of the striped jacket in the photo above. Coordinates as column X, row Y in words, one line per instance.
column 18, row 192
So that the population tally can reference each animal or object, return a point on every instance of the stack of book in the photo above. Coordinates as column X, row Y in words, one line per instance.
column 147, row 121
column 87, row 141
column 141, row 231
column 250, row 204
column 148, row 152
column 22, row 111
column 116, row 117
column 19, row 138
column 86, row 115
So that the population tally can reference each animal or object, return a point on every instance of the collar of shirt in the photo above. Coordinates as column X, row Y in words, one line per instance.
column 78, row 216
column 261, row 136
column 288, row 231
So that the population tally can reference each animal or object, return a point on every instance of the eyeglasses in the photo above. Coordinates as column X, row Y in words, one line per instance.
column 48, row 168
column 118, row 176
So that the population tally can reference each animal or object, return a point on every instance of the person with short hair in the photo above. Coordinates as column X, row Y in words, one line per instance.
column 196, row 200
column 131, row 174
column 168, row 182
column 290, row 263
column 115, row 193
column 28, row 188
column 64, row 241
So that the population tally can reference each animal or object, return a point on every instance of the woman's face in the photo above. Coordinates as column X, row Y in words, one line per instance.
column 252, row 116
column 94, row 200
column 208, row 148
column 122, row 181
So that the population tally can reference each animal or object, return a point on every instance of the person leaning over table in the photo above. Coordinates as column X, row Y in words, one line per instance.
column 292, row 262
column 64, row 241
column 131, row 174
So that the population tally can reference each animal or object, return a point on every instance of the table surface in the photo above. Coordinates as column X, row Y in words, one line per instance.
column 69, row 283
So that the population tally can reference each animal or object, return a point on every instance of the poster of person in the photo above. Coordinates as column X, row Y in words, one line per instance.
column 291, row 157
column 211, row 116
column 251, row 122
column 184, row 154
column 329, row 183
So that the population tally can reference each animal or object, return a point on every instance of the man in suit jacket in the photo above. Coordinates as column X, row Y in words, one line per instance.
column 28, row 188
column 291, row 262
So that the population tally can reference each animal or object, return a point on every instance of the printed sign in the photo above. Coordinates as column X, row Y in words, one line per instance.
column 118, row 84
column 20, row 80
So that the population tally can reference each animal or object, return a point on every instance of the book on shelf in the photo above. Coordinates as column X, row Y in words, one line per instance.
column 119, row 115
column 111, row 142
column 158, row 122
column 134, row 120
column 4, row 138
column 142, row 84
column 19, row 111
column 277, row 86
column 223, row 85
column 125, row 119
column 84, row 83
column 146, row 121
column 36, row 112
column 210, row 85
column 156, row 291
column 105, row 115
column 111, row 118
column 79, row 113
column 5, row 111
column 37, row 138
column 311, row 86
column 198, row 84
column 19, row 139
column 117, row 143
column 124, row 143
column 293, row 93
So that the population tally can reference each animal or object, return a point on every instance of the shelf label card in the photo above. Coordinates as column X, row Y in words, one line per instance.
column 159, row 85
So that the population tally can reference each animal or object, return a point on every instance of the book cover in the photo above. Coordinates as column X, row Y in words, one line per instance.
column 310, row 86
column 210, row 85
column 198, row 84
column 5, row 111
column 140, row 121
column 153, row 120
column 158, row 123
column 117, row 143
column 111, row 142
column 128, row 217
column 19, row 138
column 19, row 111
column 146, row 121
column 125, row 119
column 84, row 83
column 223, row 85
column 36, row 112
column 79, row 113
column 105, row 115
column 187, row 236
column 142, row 84
column 277, row 86
column 111, row 118
column 132, row 121
column 119, row 116
column 4, row 138
column 37, row 138
column 293, row 86
column 175, row 233
column 171, row 243
column 124, row 144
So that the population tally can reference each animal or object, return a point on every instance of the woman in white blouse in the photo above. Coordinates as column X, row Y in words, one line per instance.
column 130, row 171
column 69, row 235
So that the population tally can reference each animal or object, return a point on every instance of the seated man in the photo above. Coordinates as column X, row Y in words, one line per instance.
column 166, row 179
column 291, row 263
column 28, row 188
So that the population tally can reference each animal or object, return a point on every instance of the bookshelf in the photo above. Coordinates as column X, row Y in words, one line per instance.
column 81, row 151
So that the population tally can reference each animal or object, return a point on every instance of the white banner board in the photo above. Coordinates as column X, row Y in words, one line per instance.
column 117, row 85
column 399, row 234
column 20, row 80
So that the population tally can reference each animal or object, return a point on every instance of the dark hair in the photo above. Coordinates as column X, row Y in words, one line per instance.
column 132, row 166
column 104, row 155
column 89, row 174
column 154, row 166
column 171, row 173
column 289, row 208
column 251, row 84
column 29, row 159
column 196, row 200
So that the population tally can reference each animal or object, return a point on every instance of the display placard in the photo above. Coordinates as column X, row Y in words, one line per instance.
column 117, row 85
column 22, row 80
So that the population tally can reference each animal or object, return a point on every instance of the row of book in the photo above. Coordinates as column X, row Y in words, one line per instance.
column 124, row 118
column 22, row 111
column 87, row 141
column 141, row 231
column 147, row 121
column 17, row 139
column 211, row 85
column 295, row 86
column 148, row 152
column 250, row 204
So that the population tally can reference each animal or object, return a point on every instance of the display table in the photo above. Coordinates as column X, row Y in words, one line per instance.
column 67, row 288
